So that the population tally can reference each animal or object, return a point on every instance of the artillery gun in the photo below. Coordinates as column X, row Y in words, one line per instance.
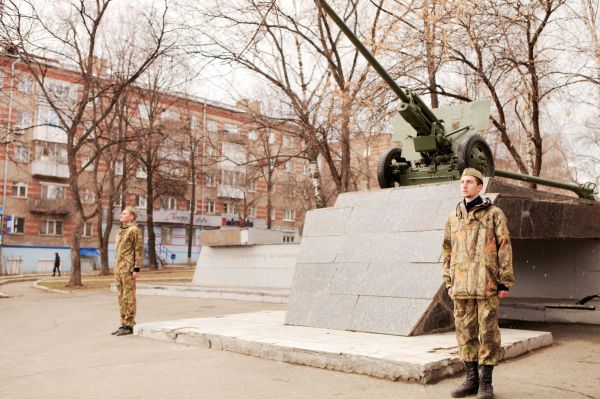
column 430, row 151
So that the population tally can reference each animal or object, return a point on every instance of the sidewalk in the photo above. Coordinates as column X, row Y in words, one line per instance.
column 59, row 346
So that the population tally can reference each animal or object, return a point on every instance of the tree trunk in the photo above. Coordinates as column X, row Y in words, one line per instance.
column 193, row 206
column 75, row 280
column 152, row 260
column 429, row 34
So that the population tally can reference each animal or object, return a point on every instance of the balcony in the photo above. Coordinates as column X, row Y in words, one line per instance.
column 228, row 191
column 49, row 206
column 52, row 134
column 49, row 169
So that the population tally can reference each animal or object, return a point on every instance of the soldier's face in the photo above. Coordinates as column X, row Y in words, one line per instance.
column 126, row 217
column 470, row 187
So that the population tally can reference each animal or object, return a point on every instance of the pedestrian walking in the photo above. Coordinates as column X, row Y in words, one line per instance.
column 478, row 271
column 129, row 247
column 56, row 265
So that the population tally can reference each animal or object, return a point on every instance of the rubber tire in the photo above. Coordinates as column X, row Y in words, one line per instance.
column 384, row 171
column 466, row 152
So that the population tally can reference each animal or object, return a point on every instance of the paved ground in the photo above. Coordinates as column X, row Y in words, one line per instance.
column 59, row 346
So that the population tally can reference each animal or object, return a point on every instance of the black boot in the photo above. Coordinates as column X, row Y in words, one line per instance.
column 471, row 383
column 486, row 391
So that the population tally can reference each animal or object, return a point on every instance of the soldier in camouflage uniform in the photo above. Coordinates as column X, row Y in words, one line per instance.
column 477, row 270
column 129, row 247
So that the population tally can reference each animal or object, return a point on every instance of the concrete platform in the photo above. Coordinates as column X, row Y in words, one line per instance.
column 423, row 359
column 550, row 310
column 267, row 295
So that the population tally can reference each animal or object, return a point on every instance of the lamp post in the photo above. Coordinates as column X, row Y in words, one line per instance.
column 5, row 182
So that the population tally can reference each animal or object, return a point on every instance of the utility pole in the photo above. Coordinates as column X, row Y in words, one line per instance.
column 5, row 182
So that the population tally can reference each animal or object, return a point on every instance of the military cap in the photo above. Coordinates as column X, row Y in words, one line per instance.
column 473, row 172
column 131, row 210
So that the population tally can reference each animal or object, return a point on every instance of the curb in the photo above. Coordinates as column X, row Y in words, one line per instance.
column 41, row 287
column 14, row 280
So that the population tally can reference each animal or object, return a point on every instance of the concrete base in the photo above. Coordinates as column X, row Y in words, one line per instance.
column 252, row 266
column 269, row 295
column 550, row 311
column 424, row 359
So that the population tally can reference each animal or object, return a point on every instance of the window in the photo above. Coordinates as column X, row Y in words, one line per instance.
column 60, row 90
column 188, row 205
column 288, row 141
column 54, row 191
column 272, row 162
column 210, row 180
column 118, row 202
column 51, row 227
column 229, row 209
column 289, row 215
column 88, row 229
column 211, row 126
column 306, row 169
column 141, row 172
column 19, row 190
column 23, row 121
column 50, row 152
column 252, row 211
column 144, row 111
column 88, row 196
column 271, row 138
column 290, row 165
column 252, row 135
column 194, row 122
column 25, row 85
column 231, row 128
column 47, row 116
column 252, row 186
column 169, row 115
column 21, row 154
column 273, row 214
column 87, row 164
column 367, row 152
column 166, row 235
column 289, row 238
column 141, row 201
column 170, row 203
column 211, row 152
column 210, row 207
column 118, row 167
column 18, row 225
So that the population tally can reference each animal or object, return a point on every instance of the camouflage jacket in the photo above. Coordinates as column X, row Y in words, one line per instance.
column 129, row 249
column 477, row 254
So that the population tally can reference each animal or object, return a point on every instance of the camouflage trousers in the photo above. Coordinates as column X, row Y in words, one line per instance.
column 126, row 288
column 477, row 331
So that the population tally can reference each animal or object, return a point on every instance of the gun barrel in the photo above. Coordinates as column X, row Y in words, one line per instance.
column 414, row 110
column 582, row 191
column 365, row 52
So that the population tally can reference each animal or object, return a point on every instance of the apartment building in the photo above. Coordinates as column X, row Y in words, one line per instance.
column 233, row 185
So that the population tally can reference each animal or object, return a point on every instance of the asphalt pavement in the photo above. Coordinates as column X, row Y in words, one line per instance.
column 59, row 346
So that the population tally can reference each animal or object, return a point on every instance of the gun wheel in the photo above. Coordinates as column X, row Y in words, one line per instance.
column 475, row 152
column 385, row 168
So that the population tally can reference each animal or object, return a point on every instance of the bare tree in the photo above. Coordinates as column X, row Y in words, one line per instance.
column 77, row 31
column 297, row 51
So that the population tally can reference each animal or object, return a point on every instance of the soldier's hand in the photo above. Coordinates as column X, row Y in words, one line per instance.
column 135, row 275
column 502, row 294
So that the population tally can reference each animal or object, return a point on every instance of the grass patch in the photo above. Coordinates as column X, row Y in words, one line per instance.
column 93, row 281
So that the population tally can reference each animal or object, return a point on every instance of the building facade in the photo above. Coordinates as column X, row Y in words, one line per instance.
column 170, row 155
